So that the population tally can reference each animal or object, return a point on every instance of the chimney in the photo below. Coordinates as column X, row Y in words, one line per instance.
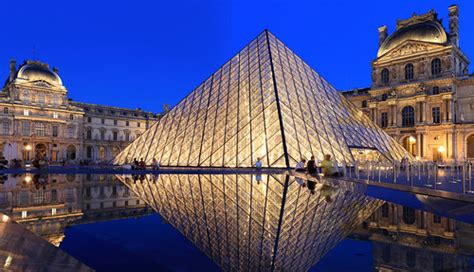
column 383, row 33
column 454, row 24
column 12, row 69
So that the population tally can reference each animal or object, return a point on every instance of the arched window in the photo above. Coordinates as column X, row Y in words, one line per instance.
column 470, row 146
column 436, row 67
column 89, row 134
column 89, row 152
column 408, row 215
column 102, row 153
column 408, row 116
column 385, row 76
column 409, row 71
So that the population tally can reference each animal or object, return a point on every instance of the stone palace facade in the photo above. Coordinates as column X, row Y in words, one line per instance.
column 38, row 119
column 422, row 93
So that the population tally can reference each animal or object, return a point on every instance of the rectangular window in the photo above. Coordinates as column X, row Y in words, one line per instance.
column 24, row 214
column 436, row 114
column 40, row 129
column 384, row 119
column 89, row 120
column 70, row 132
column 138, row 124
column 115, row 122
column 127, row 136
column 6, row 127
column 25, row 129
column 115, row 134
column 53, row 211
column 55, row 131
column 26, row 112
column 55, row 115
column 103, row 121
column 127, row 123
column 436, row 219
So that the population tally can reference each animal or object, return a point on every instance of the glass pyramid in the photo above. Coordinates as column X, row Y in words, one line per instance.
column 263, row 103
column 262, row 222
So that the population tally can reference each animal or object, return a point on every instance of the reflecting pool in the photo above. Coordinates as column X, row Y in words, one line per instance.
column 235, row 221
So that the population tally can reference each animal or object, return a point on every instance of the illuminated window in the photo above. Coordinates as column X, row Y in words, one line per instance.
column 24, row 214
column 55, row 115
column 40, row 129
column 53, row 211
column 26, row 112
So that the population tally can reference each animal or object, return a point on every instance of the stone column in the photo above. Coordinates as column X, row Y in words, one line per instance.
column 418, row 145
column 454, row 146
column 424, row 111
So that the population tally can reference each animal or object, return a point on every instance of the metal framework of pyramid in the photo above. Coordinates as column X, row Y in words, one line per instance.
column 264, row 103
column 256, row 222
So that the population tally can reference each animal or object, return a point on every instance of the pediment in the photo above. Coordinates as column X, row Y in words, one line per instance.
column 410, row 47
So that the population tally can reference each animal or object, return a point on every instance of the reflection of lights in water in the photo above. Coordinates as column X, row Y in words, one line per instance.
column 8, row 261
column 28, row 178
column 5, row 218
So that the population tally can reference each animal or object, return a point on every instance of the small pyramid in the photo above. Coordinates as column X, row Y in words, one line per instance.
column 266, row 103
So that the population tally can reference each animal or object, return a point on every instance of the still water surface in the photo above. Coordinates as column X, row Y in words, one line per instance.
column 179, row 222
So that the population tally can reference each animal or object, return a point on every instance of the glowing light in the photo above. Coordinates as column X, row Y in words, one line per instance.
column 412, row 139
column 5, row 218
column 28, row 179
column 28, row 147
column 441, row 149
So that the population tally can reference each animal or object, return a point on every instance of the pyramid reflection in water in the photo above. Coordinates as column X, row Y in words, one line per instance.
column 263, row 222
column 265, row 102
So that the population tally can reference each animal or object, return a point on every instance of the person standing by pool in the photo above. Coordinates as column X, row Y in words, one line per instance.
column 300, row 166
column 155, row 164
column 311, row 166
column 258, row 164
column 328, row 167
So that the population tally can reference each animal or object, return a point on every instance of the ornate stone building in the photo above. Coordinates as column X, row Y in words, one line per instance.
column 37, row 118
column 421, row 92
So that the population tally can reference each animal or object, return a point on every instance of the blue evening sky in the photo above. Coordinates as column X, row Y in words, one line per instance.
column 146, row 53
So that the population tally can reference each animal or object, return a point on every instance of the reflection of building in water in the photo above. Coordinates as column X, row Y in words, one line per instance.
column 407, row 239
column 246, row 224
column 21, row 250
column 105, row 197
column 47, row 204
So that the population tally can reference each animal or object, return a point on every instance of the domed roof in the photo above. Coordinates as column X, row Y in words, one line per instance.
column 36, row 71
column 431, row 31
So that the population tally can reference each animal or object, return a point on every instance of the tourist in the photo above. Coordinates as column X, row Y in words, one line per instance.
column 328, row 167
column 258, row 164
column 135, row 164
column 300, row 166
column 142, row 164
column 311, row 166
column 155, row 164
